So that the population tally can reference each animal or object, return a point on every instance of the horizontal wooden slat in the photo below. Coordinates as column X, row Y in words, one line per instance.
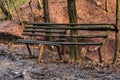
column 67, row 24
column 65, row 35
column 35, row 42
column 45, row 31
column 80, row 44
column 114, row 28
column 55, row 43
column 58, row 40
column 90, row 27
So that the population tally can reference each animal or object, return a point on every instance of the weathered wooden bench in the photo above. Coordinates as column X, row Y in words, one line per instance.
column 58, row 35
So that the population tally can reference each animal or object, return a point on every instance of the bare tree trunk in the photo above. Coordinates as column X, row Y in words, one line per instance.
column 106, row 5
column 32, row 10
column 8, row 5
column 40, row 4
column 5, row 11
column 19, row 17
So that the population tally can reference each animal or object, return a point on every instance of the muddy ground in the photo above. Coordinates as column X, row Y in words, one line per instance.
column 19, row 66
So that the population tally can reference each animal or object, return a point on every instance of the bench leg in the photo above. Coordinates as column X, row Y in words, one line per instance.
column 10, row 47
column 82, row 56
column 63, row 50
column 40, row 53
column 100, row 56
column 59, row 52
column 30, row 53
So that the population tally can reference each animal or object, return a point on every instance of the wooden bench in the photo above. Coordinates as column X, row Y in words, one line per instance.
column 58, row 35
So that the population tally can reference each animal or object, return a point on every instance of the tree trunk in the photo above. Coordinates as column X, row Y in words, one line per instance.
column 5, row 11
column 118, row 14
column 18, row 14
column 46, row 16
column 8, row 5
column 46, row 11
column 106, row 5
column 73, row 19
column 32, row 10
column 117, row 32
column 39, row 5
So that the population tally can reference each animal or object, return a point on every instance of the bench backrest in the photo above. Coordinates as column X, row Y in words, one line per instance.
column 61, row 32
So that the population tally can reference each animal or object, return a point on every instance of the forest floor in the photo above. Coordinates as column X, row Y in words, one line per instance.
column 19, row 66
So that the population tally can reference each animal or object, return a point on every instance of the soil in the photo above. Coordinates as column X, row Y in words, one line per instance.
column 19, row 67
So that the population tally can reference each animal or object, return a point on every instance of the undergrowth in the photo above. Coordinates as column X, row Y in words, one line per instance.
column 17, row 4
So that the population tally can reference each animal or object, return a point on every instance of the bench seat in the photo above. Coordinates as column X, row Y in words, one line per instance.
column 57, row 43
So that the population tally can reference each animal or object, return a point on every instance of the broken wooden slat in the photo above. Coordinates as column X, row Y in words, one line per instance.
column 50, row 31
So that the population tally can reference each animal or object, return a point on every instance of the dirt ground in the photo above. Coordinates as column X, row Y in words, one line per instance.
column 20, row 67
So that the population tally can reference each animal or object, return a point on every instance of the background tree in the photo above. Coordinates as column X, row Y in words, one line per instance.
column 46, row 11
column 106, row 5
column 8, row 6
column 119, row 25
column 4, row 10
column 117, row 31
column 18, row 14
column 40, row 4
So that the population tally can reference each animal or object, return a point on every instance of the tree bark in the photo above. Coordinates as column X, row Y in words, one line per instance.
column 106, row 5
column 46, row 11
column 18, row 14
column 5, row 11
column 46, row 17
column 73, row 19
column 32, row 10
column 117, row 32
column 40, row 4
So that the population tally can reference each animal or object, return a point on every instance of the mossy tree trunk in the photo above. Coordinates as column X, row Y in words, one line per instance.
column 118, row 15
column 5, row 11
column 46, row 14
column 73, row 19
column 46, row 11
column 117, row 31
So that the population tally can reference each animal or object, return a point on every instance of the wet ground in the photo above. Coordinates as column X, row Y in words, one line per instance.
column 20, row 67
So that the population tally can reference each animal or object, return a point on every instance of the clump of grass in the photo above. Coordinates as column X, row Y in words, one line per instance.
column 10, row 6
